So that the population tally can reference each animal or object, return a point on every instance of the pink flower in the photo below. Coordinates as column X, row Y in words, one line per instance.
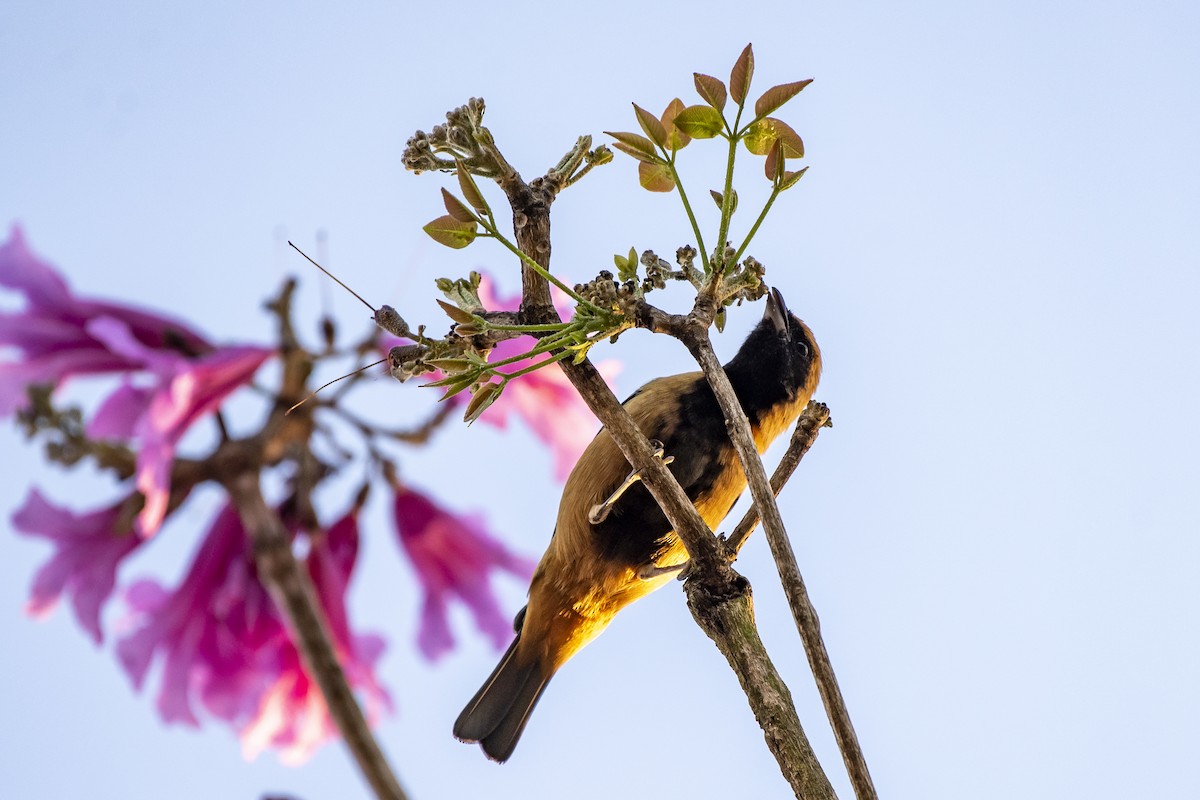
column 59, row 336
column 453, row 557
column 292, row 714
column 187, row 391
column 544, row 399
column 51, row 334
column 89, row 546
column 224, row 644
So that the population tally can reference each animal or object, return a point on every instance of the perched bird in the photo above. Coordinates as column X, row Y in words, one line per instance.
column 612, row 540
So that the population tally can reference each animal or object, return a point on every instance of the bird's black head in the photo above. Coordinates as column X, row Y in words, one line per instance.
column 778, row 363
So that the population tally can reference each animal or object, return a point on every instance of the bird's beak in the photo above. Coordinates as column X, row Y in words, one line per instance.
column 777, row 311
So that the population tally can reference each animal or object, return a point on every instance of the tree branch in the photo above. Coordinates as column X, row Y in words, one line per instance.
column 803, row 612
column 293, row 594
column 718, row 596
column 815, row 417
column 238, row 465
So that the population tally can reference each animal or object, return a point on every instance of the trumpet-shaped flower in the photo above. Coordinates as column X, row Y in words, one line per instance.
column 59, row 336
column 187, row 391
column 224, row 644
column 51, row 334
column 90, row 546
column 454, row 557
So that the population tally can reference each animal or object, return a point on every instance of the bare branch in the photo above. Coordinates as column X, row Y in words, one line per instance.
column 803, row 612
column 815, row 417
column 718, row 596
column 293, row 594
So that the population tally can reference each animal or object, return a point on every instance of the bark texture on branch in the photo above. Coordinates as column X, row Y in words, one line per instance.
column 722, row 606
column 238, row 465
column 295, row 597
column 729, row 622
column 803, row 612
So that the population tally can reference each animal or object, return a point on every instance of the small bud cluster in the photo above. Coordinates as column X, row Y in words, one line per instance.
column 605, row 291
column 685, row 257
column 657, row 271
column 459, row 138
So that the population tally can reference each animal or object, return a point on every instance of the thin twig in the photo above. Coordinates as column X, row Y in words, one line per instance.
column 803, row 612
column 815, row 417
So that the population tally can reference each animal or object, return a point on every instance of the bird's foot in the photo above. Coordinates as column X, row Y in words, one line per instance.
column 652, row 571
column 600, row 511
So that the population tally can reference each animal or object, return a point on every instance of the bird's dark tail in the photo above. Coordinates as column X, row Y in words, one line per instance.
column 497, row 713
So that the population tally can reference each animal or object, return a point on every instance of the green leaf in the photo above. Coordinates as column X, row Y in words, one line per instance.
column 719, row 199
column 483, row 397
column 451, row 366
column 790, row 179
column 655, row 177
column 739, row 77
column 451, row 232
column 651, row 125
column 454, row 388
column 464, row 378
column 470, row 189
column 762, row 134
column 455, row 313
column 711, row 90
column 720, row 319
column 627, row 266
column 676, row 139
column 700, row 122
column 457, row 208
column 776, row 96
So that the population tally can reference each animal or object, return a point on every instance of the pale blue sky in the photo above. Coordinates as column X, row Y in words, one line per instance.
column 996, row 246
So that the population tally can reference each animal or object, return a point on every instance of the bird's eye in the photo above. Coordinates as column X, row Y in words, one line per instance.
column 803, row 348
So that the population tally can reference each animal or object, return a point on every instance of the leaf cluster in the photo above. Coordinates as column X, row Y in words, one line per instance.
column 607, row 304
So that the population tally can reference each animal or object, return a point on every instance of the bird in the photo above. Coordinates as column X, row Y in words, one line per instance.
column 612, row 544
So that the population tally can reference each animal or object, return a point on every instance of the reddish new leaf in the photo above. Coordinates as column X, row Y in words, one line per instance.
column 719, row 199
column 456, row 208
column 711, row 90
column 639, row 155
column 455, row 313
column 633, row 141
column 470, row 189
column 774, row 164
column 739, row 78
column 676, row 139
column 776, row 96
column 651, row 125
column 655, row 177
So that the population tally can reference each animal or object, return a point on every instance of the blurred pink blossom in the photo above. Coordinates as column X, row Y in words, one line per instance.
column 84, row 566
column 50, row 334
column 454, row 557
column 544, row 399
column 59, row 336
column 187, row 391
column 224, row 644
